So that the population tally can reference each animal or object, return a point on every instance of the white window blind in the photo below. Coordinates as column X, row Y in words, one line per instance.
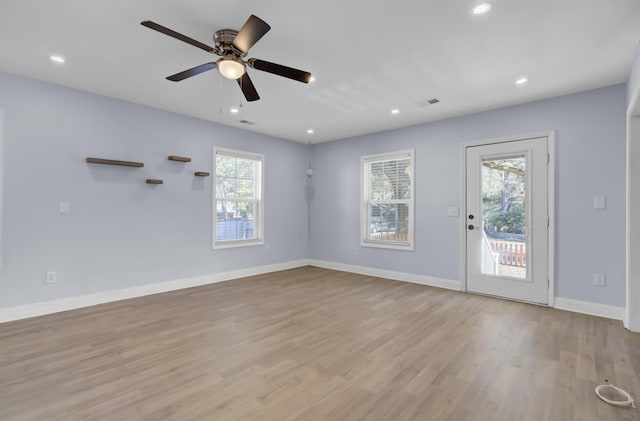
column 387, row 207
column 238, row 198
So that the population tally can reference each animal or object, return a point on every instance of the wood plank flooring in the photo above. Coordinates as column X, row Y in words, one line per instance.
column 315, row 344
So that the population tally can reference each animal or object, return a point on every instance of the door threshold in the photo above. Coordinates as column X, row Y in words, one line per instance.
column 509, row 299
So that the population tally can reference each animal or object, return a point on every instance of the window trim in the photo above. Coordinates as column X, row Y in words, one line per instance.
column 259, row 222
column 365, row 217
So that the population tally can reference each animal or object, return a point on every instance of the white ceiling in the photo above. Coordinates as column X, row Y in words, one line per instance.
column 368, row 56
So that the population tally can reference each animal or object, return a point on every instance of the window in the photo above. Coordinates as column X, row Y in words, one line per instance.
column 387, row 206
column 238, row 198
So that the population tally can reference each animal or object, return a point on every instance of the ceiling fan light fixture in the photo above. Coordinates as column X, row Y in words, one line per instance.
column 231, row 67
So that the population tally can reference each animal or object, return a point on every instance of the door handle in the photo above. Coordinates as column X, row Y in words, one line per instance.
column 471, row 227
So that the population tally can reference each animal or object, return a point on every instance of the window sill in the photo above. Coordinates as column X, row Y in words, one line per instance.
column 385, row 245
column 235, row 244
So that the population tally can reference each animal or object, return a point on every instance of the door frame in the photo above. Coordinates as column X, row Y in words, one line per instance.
column 1, row 185
column 551, row 237
column 632, row 311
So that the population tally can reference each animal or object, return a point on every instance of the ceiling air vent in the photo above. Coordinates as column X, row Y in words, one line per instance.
column 250, row 123
column 427, row 102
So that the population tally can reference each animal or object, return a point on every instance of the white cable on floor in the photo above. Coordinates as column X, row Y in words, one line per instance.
column 627, row 402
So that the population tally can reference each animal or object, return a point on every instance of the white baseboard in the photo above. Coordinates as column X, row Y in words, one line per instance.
column 389, row 274
column 593, row 309
column 576, row 306
column 39, row 309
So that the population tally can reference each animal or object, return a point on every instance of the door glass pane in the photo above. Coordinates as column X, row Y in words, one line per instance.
column 504, row 239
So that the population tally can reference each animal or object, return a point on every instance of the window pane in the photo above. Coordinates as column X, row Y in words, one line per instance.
column 225, row 187
column 244, row 189
column 236, row 177
column 389, row 222
column 245, row 168
column 235, row 220
column 390, row 179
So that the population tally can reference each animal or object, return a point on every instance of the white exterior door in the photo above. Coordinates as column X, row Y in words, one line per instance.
column 507, row 219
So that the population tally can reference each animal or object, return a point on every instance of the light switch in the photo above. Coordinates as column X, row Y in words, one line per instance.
column 51, row 277
column 599, row 279
column 599, row 202
column 452, row 211
column 65, row 207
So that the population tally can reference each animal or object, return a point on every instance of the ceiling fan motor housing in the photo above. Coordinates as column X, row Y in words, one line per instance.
column 223, row 40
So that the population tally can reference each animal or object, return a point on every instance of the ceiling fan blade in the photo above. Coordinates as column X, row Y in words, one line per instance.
column 280, row 70
column 176, row 35
column 250, row 33
column 247, row 87
column 192, row 72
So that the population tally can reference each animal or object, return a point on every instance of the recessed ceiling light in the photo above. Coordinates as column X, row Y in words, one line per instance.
column 395, row 111
column 57, row 59
column 522, row 81
column 310, row 131
column 234, row 110
column 481, row 9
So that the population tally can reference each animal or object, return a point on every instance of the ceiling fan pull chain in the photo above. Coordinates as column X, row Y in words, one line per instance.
column 220, row 96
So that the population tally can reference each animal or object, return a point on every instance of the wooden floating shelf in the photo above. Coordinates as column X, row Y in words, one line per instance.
column 179, row 158
column 201, row 174
column 114, row 162
column 154, row 181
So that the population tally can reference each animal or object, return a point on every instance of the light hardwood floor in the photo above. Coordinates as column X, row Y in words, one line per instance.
column 309, row 344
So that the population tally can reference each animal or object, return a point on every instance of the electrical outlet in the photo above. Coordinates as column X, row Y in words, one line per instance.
column 600, row 202
column 65, row 207
column 599, row 279
column 51, row 277
column 452, row 211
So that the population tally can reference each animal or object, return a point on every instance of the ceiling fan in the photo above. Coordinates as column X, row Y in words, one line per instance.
column 232, row 46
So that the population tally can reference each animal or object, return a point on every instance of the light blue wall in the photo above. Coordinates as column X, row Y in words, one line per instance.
column 590, row 161
column 122, row 232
